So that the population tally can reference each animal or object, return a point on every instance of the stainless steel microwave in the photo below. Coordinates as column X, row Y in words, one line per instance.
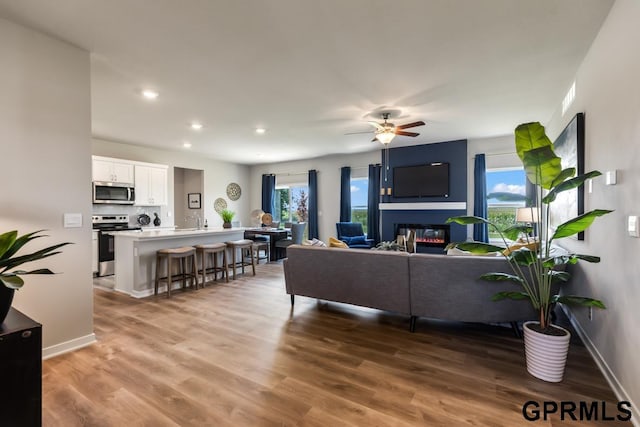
column 116, row 193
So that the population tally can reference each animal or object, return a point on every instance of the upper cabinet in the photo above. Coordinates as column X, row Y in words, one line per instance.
column 151, row 185
column 112, row 170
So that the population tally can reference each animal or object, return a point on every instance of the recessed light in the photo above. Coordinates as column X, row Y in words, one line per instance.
column 196, row 125
column 150, row 94
column 260, row 131
column 186, row 144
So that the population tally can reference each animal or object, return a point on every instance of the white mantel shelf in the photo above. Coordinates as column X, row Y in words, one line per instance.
column 423, row 206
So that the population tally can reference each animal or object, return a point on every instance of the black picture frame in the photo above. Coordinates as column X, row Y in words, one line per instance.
column 569, row 146
column 194, row 200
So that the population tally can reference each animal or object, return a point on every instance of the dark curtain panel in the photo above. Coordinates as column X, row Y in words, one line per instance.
column 269, row 193
column 373, row 207
column 345, row 194
column 313, row 204
column 480, row 231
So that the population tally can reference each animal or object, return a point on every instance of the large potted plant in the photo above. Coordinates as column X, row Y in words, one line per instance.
column 10, row 279
column 536, row 270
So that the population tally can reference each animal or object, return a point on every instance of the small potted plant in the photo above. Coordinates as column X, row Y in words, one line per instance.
column 227, row 216
column 10, row 280
column 535, row 268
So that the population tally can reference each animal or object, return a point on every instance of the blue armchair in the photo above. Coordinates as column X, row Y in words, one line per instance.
column 353, row 235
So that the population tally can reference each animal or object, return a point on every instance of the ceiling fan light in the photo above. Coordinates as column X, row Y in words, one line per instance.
column 385, row 137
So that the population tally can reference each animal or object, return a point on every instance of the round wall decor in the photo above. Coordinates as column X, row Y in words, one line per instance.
column 234, row 191
column 220, row 204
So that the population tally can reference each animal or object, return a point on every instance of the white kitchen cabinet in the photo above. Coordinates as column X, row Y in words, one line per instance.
column 94, row 250
column 112, row 170
column 151, row 185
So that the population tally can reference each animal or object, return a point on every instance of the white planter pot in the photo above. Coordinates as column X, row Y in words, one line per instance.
column 546, row 355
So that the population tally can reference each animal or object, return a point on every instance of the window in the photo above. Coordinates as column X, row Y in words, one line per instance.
column 292, row 204
column 505, row 193
column 359, row 199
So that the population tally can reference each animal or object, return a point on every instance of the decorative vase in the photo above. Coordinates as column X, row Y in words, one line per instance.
column 546, row 355
column 156, row 221
column 6, row 298
column 226, row 225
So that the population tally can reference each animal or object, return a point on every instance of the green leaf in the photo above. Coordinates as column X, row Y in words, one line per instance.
column 569, row 259
column 529, row 136
column 578, row 224
column 42, row 253
column 514, row 231
column 6, row 241
column 566, row 173
column 467, row 220
column 20, row 242
column 524, row 256
column 501, row 277
column 12, row 281
column 569, row 185
column 510, row 295
column 559, row 276
column 578, row 301
column 477, row 247
column 542, row 166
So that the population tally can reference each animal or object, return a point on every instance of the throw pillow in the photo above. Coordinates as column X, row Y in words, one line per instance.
column 531, row 246
column 314, row 242
column 357, row 240
column 335, row 243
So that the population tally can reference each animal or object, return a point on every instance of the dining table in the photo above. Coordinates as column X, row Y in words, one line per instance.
column 274, row 234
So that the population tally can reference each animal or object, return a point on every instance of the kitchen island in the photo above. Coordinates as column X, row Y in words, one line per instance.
column 135, row 254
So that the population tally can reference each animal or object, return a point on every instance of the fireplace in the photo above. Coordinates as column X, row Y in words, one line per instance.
column 426, row 235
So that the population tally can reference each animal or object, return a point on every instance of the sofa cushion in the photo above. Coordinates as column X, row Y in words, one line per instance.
column 376, row 279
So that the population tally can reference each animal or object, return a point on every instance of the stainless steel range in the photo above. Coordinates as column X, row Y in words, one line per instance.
column 106, row 226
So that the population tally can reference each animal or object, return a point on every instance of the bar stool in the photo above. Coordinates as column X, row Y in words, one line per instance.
column 183, row 254
column 246, row 251
column 261, row 245
column 213, row 250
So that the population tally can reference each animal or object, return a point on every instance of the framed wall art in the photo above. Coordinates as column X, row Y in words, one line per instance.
column 569, row 146
column 194, row 201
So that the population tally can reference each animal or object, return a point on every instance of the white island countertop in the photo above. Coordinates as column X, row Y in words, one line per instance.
column 135, row 253
column 178, row 233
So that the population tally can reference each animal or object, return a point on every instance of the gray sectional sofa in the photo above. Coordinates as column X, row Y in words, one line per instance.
column 418, row 285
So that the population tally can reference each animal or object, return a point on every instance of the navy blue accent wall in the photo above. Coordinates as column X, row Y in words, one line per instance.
column 452, row 152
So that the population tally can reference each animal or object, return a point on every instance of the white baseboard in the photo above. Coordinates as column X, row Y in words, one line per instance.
column 618, row 389
column 67, row 346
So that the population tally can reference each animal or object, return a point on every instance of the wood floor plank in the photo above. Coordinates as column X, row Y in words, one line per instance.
column 238, row 354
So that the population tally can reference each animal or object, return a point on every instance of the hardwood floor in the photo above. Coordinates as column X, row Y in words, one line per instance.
column 236, row 354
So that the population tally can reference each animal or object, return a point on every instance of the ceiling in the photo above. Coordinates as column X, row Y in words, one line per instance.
column 311, row 71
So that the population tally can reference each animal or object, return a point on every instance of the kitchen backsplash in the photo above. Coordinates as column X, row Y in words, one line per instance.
column 134, row 211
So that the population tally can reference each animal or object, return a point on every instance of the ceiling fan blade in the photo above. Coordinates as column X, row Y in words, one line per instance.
column 411, row 125
column 356, row 133
column 377, row 125
column 400, row 132
column 374, row 139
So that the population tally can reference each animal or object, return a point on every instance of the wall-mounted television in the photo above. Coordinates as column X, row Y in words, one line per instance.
column 430, row 180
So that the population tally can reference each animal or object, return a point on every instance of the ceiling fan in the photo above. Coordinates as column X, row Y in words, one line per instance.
column 385, row 132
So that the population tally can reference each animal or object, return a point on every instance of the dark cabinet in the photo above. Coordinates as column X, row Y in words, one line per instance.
column 20, row 371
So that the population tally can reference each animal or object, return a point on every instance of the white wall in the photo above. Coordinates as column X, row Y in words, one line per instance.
column 608, row 91
column 45, row 127
column 328, row 183
column 217, row 175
